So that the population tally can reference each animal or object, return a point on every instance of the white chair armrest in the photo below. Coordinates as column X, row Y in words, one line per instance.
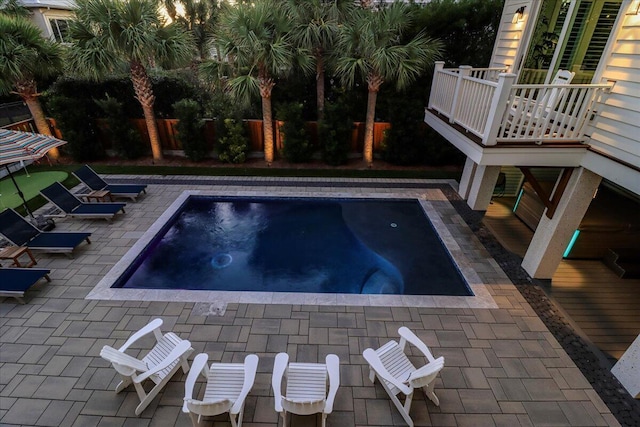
column 376, row 364
column 122, row 362
column 427, row 370
column 333, row 368
column 183, row 347
column 197, row 367
column 150, row 327
column 250, row 369
column 279, row 367
column 408, row 335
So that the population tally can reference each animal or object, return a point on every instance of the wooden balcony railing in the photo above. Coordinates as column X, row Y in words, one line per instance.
column 497, row 111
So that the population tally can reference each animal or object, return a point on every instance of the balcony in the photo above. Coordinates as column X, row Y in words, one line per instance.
column 485, row 107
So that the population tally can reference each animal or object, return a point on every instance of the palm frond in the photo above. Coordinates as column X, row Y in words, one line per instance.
column 244, row 88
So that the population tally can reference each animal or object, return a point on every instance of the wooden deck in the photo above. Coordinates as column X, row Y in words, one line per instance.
column 602, row 306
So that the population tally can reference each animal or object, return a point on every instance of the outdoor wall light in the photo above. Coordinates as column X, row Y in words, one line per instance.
column 519, row 15
column 634, row 9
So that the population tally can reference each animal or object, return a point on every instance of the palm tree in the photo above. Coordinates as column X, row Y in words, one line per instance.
column 13, row 8
column 110, row 34
column 256, row 36
column 26, row 56
column 197, row 16
column 317, row 28
column 372, row 48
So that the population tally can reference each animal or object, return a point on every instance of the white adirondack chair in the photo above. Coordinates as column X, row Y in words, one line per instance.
column 398, row 375
column 306, row 389
column 542, row 105
column 168, row 354
column 228, row 385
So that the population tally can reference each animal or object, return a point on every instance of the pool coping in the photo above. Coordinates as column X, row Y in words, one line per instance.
column 429, row 199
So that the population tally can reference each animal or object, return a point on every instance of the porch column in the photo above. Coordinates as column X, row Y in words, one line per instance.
column 484, row 181
column 553, row 235
column 467, row 178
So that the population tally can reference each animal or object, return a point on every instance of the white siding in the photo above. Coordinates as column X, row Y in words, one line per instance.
column 617, row 126
column 510, row 35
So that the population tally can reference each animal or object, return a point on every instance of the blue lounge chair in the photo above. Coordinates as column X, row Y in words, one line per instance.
column 20, row 232
column 92, row 180
column 57, row 194
column 14, row 282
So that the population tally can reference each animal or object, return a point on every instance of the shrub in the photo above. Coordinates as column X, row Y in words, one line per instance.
column 403, row 143
column 77, row 129
column 168, row 88
column 190, row 129
column 439, row 151
column 125, row 140
column 334, row 132
column 296, row 145
column 233, row 145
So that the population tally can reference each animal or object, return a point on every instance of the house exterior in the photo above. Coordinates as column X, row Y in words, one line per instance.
column 513, row 115
column 51, row 16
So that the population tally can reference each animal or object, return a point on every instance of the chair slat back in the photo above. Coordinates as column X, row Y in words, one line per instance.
column 551, row 97
column 61, row 197
column 395, row 361
column 225, row 381
column 306, row 381
column 15, row 228
column 90, row 178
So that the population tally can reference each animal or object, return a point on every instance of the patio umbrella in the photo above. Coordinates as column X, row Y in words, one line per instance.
column 16, row 146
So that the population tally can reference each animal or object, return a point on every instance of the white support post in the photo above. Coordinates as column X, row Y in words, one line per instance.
column 497, row 108
column 434, row 82
column 481, row 191
column 553, row 235
column 467, row 178
column 465, row 70
column 627, row 369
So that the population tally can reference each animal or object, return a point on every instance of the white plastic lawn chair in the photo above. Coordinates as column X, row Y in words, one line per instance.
column 398, row 375
column 228, row 385
column 541, row 106
column 306, row 389
column 165, row 358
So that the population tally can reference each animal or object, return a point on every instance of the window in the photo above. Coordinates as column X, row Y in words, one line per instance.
column 60, row 30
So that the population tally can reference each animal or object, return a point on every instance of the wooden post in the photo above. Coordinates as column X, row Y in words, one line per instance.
column 497, row 108
column 465, row 70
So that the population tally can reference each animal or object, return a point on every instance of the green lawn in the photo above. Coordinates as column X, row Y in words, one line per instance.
column 29, row 184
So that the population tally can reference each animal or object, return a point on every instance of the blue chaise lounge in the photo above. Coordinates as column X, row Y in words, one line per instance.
column 91, row 179
column 68, row 203
column 14, row 282
column 20, row 232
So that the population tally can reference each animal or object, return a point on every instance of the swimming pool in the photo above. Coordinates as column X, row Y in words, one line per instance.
column 277, row 244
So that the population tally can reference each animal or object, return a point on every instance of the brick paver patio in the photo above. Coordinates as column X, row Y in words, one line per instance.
column 503, row 367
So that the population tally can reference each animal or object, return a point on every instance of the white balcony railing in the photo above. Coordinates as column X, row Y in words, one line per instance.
column 486, row 103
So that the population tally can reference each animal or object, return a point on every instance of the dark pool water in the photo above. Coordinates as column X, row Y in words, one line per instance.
column 359, row 246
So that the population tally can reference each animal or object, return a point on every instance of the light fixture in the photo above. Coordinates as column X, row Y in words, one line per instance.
column 519, row 15
column 634, row 9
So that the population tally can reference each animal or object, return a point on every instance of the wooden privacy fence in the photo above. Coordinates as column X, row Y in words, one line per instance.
column 169, row 140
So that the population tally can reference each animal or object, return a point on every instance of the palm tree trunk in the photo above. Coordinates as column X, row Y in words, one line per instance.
column 144, row 94
column 374, row 82
column 152, row 129
column 320, row 85
column 368, row 129
column 266, row 86
column 27, row 90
